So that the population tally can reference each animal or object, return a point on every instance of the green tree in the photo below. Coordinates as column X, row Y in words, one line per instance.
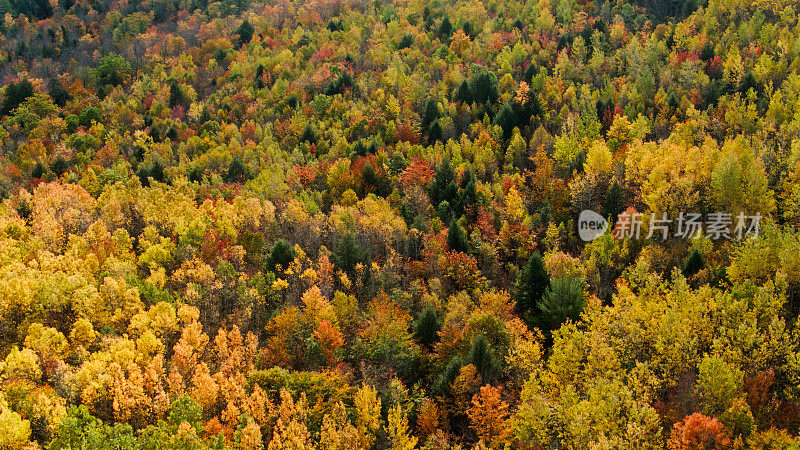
column 429, row 114
column 694, row 263
column 245, row 33
column 426, row 328
column 281, row 254
column 348, row 254
column 484, row 88
column 237, row 172
column 463, row 93
column 483, row 358
column 456, row 238
column 532, row 283
column 16, row 93
column 506, row 119
column 564, row 299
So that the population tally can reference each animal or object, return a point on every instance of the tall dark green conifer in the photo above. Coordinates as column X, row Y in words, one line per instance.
column 531, row 285
column 426, row 328
column 456, row 238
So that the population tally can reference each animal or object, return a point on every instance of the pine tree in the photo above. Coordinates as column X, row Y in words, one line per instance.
column 463, row 93
column 237, row 172
column 531, row 286
column 694, row 263
column 309, row 135
column 245, row 33
column 443, row 186
column 483, row 358
column 281, row 254
column 445, row 29
column 348, row 254
column 484, row 88
column 426, row 328
column 456, row 238
column 506, row 119
column 429, row 114
column 613, row 204
column 563, row 300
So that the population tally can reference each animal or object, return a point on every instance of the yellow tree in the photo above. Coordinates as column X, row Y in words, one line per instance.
column 398, row 430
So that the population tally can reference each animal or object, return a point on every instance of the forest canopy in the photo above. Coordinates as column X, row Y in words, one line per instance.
column 439, row 224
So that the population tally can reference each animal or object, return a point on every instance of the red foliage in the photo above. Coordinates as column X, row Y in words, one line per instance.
column 419, row 172
column 407, row 133
column 698, row 431
column 305, row 175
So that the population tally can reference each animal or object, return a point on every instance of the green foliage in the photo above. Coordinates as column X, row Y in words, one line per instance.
column 112, row 70
column 429, row 114
column 280, row 255
column 405, row 42
column 532, row 284
column 484, row 88
column 426, row 328
column 564, row 300
column 349, row 254
column 16, row 93
column 463, row 93
column 482, row 356
column 694, row 263
column 456, row 238
column 718, row 384
column 89, row 116
column 506, row 119
column 245, row 32
column 237, row 172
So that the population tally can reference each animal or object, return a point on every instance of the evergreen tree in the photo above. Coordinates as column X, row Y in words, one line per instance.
column 16, row 93
column 237, row 172
column 613, row 205
column 443, row 186
column 456, row 239
column 435, row 132
column 245, row 33
column 38, row 170
column 484, row 88
column 442, row 384
column 59, row 166
column 564, row 299
column 429, row 114
column 348, row 254
column 463, row 93
column 176, row 96
column 405, row 42
column 445, row 29
column 468, row 195
column 281, row 254
column 427, row 327
column 694, row 263
column 483, row 358
column 309, row 135
column 506, row 119
column 531, row 286
column 58, row 93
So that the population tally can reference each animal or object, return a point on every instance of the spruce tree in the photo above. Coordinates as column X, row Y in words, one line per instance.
column 281, row 254
column 483, row 358
column 563, row 300
column 426, row 328
column 694, row 263
column 456, row 239
column 463, row 93
column 531, row 286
